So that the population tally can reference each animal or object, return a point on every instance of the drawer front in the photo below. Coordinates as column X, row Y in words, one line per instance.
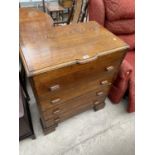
column 92, row 98
column 83, row 77
column 59, row 101
column 56, row 120
column 59, row 118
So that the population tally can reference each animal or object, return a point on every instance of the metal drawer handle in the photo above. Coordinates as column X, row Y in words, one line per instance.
column 105, row 82
column 55, row 101
column 55, row 87
column 57, row 119
column 109, row 68
column 96, row 103
column 100, row 93
column 57, row 111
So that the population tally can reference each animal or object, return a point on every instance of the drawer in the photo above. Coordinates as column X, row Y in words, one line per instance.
column 59, row 101
column 57, row 119
column 80, row 76
column 92, row 98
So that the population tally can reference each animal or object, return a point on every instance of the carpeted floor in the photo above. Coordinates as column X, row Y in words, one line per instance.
column 109, row 131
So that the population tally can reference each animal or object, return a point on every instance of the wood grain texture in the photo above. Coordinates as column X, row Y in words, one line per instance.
column 46, row 103
column 85, row 77
column 62, row 117
column 33, row 20
column 46, row 48
column 90, row 98
column 77, row 11
column 65, row 3
column 71, row 68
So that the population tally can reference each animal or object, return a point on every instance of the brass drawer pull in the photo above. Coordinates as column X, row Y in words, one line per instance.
column 55, row 87
column 57, row 111
column 109, row 83
column 57, row 119
column 99, row 93
column 109, row 68
column 55, row 101
column 96, row 103
column 105, row 82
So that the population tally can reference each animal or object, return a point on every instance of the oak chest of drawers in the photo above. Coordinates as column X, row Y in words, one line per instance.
column 71, row 68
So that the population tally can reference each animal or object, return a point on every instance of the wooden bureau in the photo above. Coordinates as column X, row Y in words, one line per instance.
column 71, row 68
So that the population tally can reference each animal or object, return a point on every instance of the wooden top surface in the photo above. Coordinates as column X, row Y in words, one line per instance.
column 33, row 20
column 52, row 7
column 47, row 48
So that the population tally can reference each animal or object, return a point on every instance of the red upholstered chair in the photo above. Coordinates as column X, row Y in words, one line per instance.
column 118, row 16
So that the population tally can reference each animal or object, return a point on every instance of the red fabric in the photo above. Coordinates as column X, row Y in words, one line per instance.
column 120, row 85
column 131, row 106
column 121, row 26
column 116, row 11
column 119, row 9
column 130, row 57
column 97, row 11
column 129, row 39
column 125, row 79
